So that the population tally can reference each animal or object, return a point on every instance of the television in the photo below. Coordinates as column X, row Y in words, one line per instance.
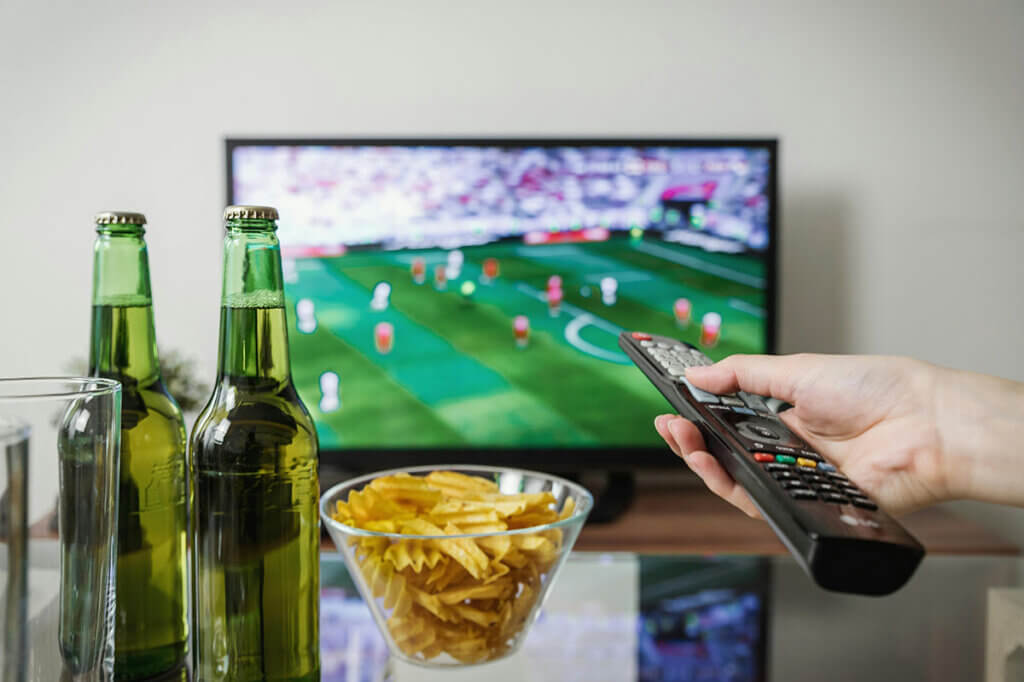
column 459, row 300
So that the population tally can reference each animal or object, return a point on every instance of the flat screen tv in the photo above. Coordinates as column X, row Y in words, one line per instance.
column 459, row 300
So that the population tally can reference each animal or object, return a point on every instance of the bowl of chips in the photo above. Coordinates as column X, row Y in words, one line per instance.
column 454, row 563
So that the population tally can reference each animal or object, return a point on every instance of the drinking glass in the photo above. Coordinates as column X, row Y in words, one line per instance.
column 60, row 439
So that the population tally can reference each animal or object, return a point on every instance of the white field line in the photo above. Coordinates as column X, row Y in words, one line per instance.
column 745, row 307
column 697, row 264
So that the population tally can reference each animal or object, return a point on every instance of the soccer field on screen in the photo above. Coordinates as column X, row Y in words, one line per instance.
column 454, row 375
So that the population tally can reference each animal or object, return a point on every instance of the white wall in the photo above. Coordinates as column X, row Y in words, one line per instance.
column 902, row 149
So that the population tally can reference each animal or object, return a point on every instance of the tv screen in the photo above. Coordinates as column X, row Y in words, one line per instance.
column 466, row 296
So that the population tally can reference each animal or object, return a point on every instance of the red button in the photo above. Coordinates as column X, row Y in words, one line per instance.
column 640, row 336
column 763, row 457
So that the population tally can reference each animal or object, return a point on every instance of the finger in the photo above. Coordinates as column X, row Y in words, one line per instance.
column 721, row 483
column 685, row 435
column 776, row 376
column 689, row 445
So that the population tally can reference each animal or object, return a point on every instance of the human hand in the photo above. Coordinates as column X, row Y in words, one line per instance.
column 875, row 418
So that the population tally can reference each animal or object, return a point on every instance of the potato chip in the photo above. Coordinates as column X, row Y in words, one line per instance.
column 454, row 483
column 406, row 490
column 463, row 596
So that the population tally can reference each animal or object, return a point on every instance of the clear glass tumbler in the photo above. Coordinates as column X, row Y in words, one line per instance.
column 60, row 440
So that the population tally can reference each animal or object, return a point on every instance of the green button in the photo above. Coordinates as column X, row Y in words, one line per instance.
column 785, row 459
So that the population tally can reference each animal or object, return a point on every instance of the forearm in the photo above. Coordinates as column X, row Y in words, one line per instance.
column 981, row 422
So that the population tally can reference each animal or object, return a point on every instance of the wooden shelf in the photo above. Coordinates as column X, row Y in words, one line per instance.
column 690, row 520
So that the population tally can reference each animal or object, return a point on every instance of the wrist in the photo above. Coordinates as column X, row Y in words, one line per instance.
column 980, row 420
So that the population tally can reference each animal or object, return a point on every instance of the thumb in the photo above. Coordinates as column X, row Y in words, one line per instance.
column 775, row 376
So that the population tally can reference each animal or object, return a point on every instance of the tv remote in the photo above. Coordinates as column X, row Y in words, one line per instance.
column 836, row 532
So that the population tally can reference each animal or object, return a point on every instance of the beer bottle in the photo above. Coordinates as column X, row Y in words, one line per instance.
column 254, row 482
column 150, row 628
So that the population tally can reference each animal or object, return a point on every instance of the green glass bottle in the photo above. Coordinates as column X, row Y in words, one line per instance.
column 256, row 571
column 151, row 618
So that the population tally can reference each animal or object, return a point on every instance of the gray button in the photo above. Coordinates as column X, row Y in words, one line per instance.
column 699, row 395
column 754, row 402
column 662, row 344
column 677, row 371
column 679, row 349
column 646, row 344
column 731, row 399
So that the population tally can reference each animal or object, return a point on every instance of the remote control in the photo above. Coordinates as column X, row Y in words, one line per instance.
column 836, row 532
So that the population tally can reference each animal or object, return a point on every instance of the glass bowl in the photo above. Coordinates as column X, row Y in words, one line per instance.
column 429, row 608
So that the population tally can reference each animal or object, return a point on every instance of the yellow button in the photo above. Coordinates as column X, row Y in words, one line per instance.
column 806, row 462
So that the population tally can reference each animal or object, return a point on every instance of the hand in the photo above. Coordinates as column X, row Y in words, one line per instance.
column 875, row 418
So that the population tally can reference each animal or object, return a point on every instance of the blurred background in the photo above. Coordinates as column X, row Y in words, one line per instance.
column 902, row 157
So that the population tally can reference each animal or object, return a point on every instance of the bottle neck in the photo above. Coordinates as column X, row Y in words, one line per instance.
column 253, row 327
column 123, row 342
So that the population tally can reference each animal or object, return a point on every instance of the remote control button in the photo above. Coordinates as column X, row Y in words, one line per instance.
column 662, row 344
column 759, row 445
column 835, row 499
column 754, row 402
column 849, row 490
column 699, row 359
column 803, row 494
column 677, row 371
column 755, row 431
column 825, row 466
column 785, row 475
column 836, row 476
column 804, row 462
column 785, row 459
column 791, row 484
column 679, row 348
column 640, row 336
column 778, row 467
column 744, row 410
column 646, row 344
column 732, row 400
column 763, row 457
column 827, row 488
column 810, row 454
column 698, row 395
column 863, row 503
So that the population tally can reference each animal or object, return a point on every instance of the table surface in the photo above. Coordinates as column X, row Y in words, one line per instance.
column 596, row 623
column 617, row 617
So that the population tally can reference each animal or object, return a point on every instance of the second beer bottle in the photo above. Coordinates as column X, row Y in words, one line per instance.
column 254, row 482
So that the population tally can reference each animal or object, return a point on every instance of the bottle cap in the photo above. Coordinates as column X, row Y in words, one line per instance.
column 120, row 218
column 257, row 212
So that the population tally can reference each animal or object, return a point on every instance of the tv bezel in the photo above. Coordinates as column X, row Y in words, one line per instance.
column 551, row 459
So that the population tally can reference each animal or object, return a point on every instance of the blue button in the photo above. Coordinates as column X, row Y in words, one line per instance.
column 825, row 466
column 743, row 410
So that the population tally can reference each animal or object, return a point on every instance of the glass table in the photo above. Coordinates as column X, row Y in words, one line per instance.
column 728, row 618
column 621, row 616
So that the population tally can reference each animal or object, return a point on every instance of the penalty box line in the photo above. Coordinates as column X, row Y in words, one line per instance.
column 581, row 319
